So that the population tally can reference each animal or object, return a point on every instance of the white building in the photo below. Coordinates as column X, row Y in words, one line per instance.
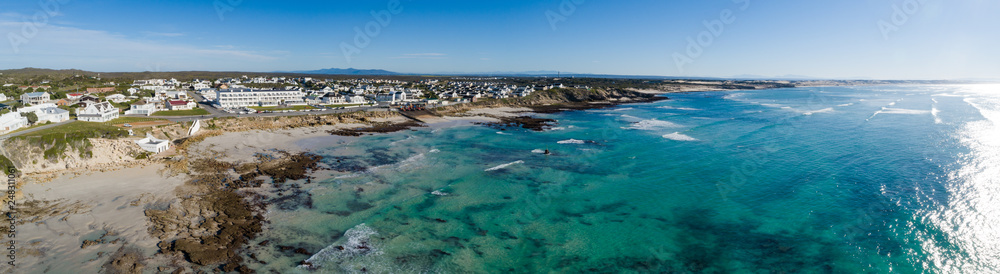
column 356, row 99
column 200, row 86
column 141, row 108
column 12, row 121
column 53, row 114
column 393, row 97
column 117, row 98
column 35, row 98
column 47, row 112
column 152, row 144
column 180, row 105
column 208, row 94
column 98, row 112
column 237, row 98
column 175, row 94
column 333, row 99
column 3, row 98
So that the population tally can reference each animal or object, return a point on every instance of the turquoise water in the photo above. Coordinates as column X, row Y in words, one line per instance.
column 820, row 180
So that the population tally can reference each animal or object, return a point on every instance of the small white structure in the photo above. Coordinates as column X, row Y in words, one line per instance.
column 117, row 98
column 141, row 107
column 3, row 98
column 152, row 144
column 194, row 128
column 12, row 121
column 98, row 112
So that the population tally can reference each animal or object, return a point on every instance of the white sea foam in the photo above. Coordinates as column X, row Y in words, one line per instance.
column 503, row 166
column 503, row 133
column 623, row 109
column 539, row 151
column 408, row 137
column 358, row 243
column 555, row 128
column 414, row 162
column 904, row 111
column 627, row 117
column 825, row 110
column 773, row 105
column 651, row 124
column 353, row 175
column 678, row 108
column 572, row 141
column 734, row 96
column 677, row 136
column 434, row 151
column 947, row 95
column 439, row 193
column 886, row 110
column 845, row 105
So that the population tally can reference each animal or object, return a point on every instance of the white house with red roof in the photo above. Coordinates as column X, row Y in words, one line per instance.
column 180, row 105
column 74, row 96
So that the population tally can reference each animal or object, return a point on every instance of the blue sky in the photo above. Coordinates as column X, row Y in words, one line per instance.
column 886, row 39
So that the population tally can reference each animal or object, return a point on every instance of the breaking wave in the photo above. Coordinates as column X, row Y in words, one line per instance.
column 503, row 166
column 572, row 141
column 651, row 124
column 677, row 136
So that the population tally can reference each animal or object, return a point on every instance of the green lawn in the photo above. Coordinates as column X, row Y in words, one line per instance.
column 122, row 120
column 344, row 105
column 80, row 127
column 193, row 112
column 25, row 128
column 282, row 108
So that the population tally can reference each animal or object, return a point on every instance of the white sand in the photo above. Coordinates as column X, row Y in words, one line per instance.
column 108, row 201
column 240, row 147
column 500, row 112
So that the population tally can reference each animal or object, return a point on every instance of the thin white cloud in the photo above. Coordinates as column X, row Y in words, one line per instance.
column 425, row 54
column 163, row 34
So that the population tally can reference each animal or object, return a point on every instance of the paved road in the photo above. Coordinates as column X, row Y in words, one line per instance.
column 4, row 137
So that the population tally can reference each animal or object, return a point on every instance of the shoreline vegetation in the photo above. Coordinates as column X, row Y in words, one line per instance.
column 217, row 207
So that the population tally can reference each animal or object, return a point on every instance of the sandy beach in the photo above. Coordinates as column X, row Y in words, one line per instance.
column 80, row 222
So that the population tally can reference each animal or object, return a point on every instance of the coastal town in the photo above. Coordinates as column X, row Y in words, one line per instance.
column 39, row 104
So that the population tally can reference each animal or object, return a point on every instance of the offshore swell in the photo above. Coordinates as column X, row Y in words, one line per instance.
column 839, row 179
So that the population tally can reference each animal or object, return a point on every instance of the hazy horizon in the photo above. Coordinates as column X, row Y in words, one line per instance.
column 891, row 40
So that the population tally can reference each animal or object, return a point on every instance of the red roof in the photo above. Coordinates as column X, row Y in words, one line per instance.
column 75, row 94
column 178, row 102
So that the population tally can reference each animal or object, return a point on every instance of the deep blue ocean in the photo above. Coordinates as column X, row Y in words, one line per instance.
column 864, row 179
